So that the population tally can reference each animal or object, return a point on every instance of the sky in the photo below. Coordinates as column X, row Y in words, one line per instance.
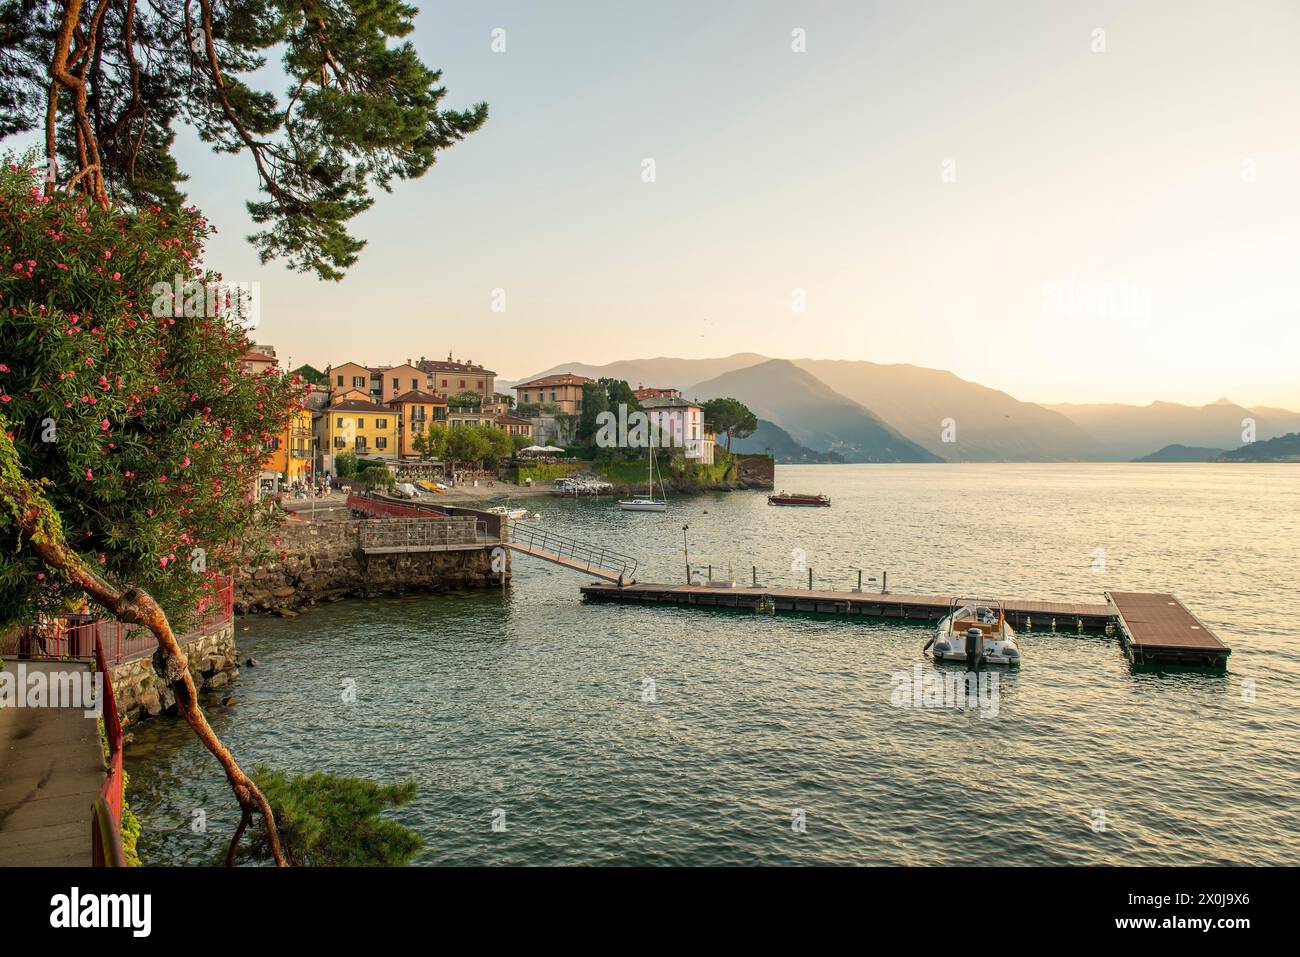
column 993, row 188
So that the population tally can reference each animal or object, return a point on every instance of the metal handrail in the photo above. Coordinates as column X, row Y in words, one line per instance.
column 532, row 537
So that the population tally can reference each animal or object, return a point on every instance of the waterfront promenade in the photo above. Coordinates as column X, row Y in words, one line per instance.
column 51, row 772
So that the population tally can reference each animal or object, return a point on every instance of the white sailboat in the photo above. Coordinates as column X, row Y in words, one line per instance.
column 649, row 503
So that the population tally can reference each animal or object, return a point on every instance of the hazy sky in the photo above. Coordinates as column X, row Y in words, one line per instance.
column 1158, row 181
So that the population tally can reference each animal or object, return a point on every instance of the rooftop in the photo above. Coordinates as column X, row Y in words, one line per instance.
column 356, row 405
column 452, row 365
column 563, row 378
column 418, row 395
column 668, row 402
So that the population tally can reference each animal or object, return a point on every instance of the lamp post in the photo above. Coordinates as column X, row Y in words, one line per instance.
column 686, row 551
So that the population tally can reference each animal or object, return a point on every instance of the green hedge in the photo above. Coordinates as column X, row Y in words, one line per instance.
column 541, row 473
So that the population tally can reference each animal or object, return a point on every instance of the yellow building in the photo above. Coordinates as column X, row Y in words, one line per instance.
column 364, row 428
column 290, row 454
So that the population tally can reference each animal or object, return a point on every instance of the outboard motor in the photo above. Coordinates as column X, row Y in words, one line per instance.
column 974, row 648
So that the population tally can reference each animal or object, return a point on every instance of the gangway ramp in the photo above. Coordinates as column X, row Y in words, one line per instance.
column 579, row 556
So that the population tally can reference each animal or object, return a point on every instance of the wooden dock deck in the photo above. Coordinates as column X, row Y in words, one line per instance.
column 1155, row 628
column 1158, row 629
column 1023, row 615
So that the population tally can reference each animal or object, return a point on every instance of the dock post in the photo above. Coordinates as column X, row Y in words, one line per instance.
column 754, row 568
column 859, row 579
column 710, row 573
column 884, row 583
column 810, row 579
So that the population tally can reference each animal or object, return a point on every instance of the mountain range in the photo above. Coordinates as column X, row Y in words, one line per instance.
column 873, row 412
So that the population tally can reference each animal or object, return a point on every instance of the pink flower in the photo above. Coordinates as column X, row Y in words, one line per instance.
column 89, row 476
column 103, row 426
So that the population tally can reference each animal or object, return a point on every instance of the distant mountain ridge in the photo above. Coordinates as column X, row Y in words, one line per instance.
column 1182, row 453
column 918, row 409
column 1282, row 448
column 771, row 437
column 956, row 419
column 1134, row 430
column 812, row 413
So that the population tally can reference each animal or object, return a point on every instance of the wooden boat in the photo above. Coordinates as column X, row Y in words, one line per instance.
column 798, row 498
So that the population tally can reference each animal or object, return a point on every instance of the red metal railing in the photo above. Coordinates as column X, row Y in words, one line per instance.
column 77, row 636
column 106, row 814
column 382, row 508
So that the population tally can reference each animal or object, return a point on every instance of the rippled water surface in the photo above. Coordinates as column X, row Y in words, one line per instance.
column 528, row 700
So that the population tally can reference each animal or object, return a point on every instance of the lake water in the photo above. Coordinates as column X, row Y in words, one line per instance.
column 528, row 701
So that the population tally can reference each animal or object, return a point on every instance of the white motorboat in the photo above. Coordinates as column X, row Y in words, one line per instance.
column 649, row 503
column 975, row 631
column 509, row 511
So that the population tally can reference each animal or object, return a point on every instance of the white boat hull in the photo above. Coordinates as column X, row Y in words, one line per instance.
column 643, row 505
column 1000, row 648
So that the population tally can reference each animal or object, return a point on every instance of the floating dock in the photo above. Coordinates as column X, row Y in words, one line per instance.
column 1158, row 629
column 1155, row 628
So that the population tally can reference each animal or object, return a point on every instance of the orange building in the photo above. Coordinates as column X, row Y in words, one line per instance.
column 416, row 411
column 563, row 390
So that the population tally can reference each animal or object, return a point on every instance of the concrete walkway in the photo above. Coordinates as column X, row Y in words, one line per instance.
column 51, row 770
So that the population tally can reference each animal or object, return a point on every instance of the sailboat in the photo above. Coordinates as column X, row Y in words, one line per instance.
column 649, row 503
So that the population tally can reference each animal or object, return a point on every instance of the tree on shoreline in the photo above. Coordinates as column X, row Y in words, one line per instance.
column 108, row 80
column 130, row 436
column 731, row 417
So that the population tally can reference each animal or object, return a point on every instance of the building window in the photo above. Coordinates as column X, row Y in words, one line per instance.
column 480, row 383
column 338, row 422
column 360, row 443
column 418, row 425
column 415, row 383
column 381, row 423
column 338, row 442
column 552, row 395
column 381, row 442
column 396, row 383
column 358, row 381
column 361, row 423
column 462, row 383
column 340, row 380
column 444, row 383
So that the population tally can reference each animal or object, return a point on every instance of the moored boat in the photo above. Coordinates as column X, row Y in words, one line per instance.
column 798, row 498
column 975, row 631
column 649, row 503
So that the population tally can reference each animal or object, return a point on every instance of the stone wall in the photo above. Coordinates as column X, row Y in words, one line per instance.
column 143, row 692
column 324, row 562
column 756, row 471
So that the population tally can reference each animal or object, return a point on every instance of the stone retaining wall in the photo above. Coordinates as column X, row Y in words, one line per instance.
column 143, row 692
column 324, row 562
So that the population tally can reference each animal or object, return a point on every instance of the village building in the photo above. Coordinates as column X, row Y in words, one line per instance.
column 416, row 412
column 680, row 422
column 563, row 390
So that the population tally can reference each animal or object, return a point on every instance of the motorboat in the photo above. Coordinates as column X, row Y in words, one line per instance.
column 509, row 511
column 798, row 498
column 975, row 631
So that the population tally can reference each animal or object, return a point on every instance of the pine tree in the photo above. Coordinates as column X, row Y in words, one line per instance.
column 108, row 80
